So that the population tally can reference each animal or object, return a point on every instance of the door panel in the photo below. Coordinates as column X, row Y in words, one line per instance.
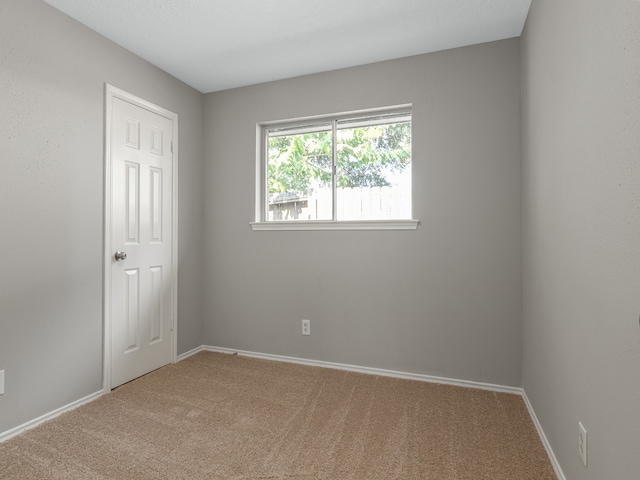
column 132, row 309
column 142, row 204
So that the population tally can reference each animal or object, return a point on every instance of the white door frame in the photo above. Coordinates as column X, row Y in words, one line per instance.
column 112, row 92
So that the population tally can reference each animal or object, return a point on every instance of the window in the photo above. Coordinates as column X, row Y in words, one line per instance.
column 337, row 170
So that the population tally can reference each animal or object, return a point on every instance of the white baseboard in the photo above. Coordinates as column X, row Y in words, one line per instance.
column 543, row 438
column 35, row 422
column 184, row 355
column 368, row 370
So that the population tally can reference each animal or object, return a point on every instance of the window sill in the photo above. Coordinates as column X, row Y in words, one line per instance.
column 335, row 225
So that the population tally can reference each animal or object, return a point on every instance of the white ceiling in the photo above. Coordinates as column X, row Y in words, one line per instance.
column 215, row 45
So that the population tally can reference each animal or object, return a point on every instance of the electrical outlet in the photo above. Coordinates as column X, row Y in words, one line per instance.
column 306, row 327
column 582, row 443
column 1, row 382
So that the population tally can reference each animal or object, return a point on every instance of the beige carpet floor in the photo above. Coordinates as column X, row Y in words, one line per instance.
column 217, row 416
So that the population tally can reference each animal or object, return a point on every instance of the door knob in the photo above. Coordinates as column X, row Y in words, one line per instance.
column 119, row 256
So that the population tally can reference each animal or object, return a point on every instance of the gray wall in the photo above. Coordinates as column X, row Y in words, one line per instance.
column 581, row 230
column 443, row 300
column 52, row 75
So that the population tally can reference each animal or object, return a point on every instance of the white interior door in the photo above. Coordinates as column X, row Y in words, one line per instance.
column 142, row 280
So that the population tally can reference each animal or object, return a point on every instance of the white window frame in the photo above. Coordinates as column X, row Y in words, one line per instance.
column 261, row 206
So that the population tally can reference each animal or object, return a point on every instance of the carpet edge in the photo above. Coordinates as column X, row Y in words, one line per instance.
column 4, row 436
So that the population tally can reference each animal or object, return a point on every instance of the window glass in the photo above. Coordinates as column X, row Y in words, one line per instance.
column 299, row 178
column 343, row 169
column 374, row 171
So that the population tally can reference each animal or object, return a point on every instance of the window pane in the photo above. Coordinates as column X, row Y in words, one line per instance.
column 299, row 174
column 374, row 171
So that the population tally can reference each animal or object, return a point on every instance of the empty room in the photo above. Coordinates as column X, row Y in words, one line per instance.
column 356, row 239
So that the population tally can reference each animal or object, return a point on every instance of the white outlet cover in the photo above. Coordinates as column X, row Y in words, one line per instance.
column 582, row 443
column 306, row 327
